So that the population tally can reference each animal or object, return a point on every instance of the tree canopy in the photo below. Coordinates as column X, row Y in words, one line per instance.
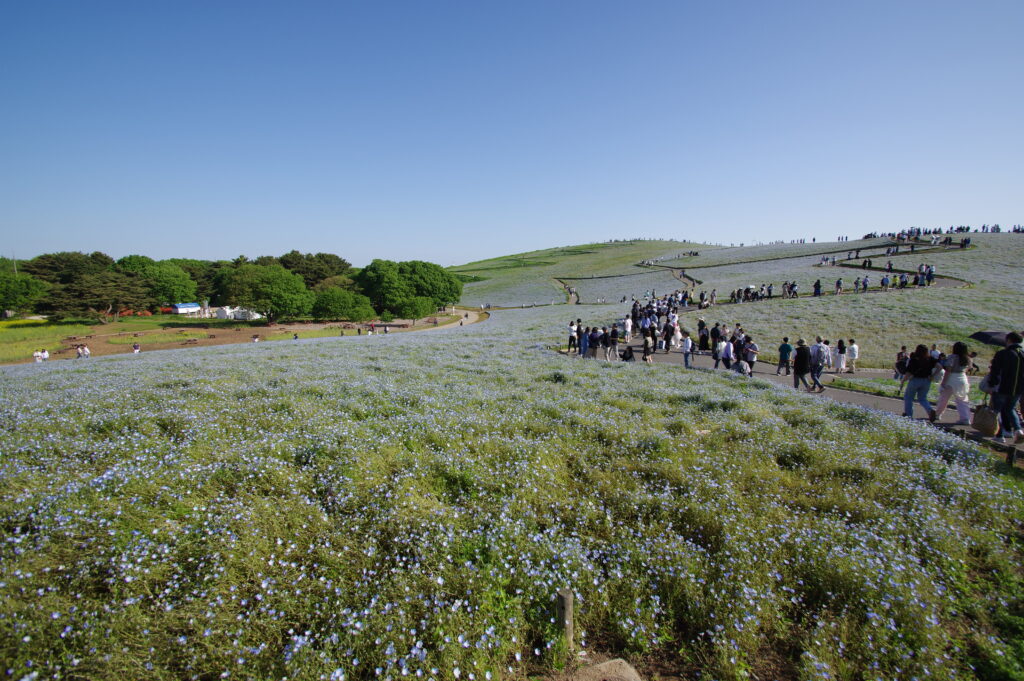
column 336, row 303
column 391, row 286
column 19, row 291
column 270, row 290
column 70, row 284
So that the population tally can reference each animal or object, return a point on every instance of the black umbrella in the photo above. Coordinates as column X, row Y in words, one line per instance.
column 990, row 337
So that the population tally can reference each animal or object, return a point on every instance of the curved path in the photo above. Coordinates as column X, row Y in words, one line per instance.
column 941, row 280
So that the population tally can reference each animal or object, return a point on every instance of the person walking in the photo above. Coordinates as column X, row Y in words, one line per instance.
column 785, row 352
column 955, row 385
column 899, row 369
column 801, row 365
column 852, row 353
column 613, row 342
column 840, row 357
column 1007, row 374
column 750, row 352
column 727, row 354
column 648, row 335
column 819, row 358
column 919, row 368
column 687, row 350
column 572, row 336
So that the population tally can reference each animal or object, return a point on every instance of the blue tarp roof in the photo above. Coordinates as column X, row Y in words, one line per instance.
column 182, row 305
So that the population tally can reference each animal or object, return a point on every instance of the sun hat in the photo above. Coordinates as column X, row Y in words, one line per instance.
column 801, row 341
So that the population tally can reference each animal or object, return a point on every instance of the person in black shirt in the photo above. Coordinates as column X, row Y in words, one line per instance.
column 919, row 369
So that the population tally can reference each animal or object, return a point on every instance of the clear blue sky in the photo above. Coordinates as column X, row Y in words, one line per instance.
column 454, row 131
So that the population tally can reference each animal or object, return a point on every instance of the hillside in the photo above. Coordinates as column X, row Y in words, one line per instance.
column 985, row 295
column 382, row 506
column 408, row 505
column 533, row 278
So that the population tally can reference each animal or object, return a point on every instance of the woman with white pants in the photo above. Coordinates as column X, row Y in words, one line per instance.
column 955, row 385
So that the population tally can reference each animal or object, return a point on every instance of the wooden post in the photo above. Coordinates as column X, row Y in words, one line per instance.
column 1011, row 455
column 564, row 617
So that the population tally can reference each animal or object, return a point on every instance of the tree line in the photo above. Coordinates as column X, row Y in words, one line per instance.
column 325, row 286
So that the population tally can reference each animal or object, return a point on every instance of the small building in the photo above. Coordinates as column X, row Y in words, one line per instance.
column 237, row 313
column 186, row 308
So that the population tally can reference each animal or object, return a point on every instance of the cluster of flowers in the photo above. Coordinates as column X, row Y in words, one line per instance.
column 385, row 507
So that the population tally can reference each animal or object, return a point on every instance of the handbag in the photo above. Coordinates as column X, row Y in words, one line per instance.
column 985, row 419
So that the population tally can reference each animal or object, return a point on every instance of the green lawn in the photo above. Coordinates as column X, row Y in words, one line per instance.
column 530, row 278
column 20, row 338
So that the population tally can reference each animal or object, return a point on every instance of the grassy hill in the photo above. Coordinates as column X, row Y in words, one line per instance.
column 332, row 507
column 408, row 505
column 532, row 278
column 987, row 299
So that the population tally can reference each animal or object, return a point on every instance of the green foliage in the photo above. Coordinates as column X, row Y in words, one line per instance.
column 20, row 292
column 270, row 290
column 364, row 499
column 344, row 281
column 66, row 267
column 416, row 308
column 167, row 281
column 336, row 303
column 315, row 268
column 431, row 281
column 383, row 283
column 392, row 285
column 135, row 263
column 203, row 273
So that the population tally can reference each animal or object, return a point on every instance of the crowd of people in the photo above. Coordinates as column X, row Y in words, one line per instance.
column 918, row 232
column 657, row 323
column 1004, row 382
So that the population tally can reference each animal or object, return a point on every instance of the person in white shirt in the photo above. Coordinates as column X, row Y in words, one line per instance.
column 687, row 349
column 852, row 353
column 727, row 355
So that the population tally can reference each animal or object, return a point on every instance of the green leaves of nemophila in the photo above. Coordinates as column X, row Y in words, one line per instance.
column 413, row 503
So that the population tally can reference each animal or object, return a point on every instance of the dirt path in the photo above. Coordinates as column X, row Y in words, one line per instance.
column 193, row 336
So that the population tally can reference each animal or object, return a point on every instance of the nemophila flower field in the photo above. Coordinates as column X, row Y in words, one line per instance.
column 612, row 289
column 407, row 506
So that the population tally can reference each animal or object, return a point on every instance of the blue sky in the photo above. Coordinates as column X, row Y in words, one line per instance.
column 454, row 131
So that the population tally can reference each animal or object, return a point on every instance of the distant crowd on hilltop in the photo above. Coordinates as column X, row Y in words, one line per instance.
column 918, row 232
